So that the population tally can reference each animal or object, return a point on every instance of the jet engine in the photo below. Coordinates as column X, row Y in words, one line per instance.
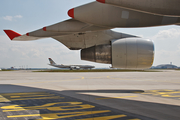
column 127, row 53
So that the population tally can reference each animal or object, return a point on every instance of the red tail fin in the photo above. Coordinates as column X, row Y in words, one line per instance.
column 11, row 34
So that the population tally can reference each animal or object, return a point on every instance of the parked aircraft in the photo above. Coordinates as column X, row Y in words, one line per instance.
column 71, row 67
column 89, row 30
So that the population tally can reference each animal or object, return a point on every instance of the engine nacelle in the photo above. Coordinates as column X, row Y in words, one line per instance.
column 127, row 53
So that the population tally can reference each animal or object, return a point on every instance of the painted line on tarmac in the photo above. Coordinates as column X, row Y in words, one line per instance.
column 29, row 93
column 165, row 93
column 3, row 99
column 57, row 115
column 115, row 97
column 109, row 77
column 8, row 97
column 33, row 106
column 105, row 117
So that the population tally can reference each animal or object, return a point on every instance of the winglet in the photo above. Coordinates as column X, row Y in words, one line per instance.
column 11, row 34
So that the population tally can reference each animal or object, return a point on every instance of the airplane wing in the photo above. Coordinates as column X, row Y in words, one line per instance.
column 74, row 34
column 116, row 16
column 96, row 16
column 178, row 24
column 60, row 29
column 158, row 7
column 89, row 30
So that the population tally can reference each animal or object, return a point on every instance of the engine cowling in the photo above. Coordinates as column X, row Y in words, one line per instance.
column 127, row 53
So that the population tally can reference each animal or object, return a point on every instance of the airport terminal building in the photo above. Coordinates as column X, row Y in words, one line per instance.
column 166, row 66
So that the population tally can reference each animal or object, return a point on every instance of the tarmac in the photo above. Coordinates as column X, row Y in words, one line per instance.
column 27, row 95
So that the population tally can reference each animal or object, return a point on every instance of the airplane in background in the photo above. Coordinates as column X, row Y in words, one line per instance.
column 71, row 67
column 89, row 30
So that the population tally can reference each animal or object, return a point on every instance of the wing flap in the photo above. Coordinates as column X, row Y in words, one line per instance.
column 26, row 38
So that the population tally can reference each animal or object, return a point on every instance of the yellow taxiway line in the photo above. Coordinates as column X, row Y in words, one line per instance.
column 115, row 97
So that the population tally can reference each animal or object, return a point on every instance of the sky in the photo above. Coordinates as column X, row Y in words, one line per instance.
column 25, row 16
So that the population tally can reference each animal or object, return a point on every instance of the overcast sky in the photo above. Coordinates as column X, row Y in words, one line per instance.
column 27, row 15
